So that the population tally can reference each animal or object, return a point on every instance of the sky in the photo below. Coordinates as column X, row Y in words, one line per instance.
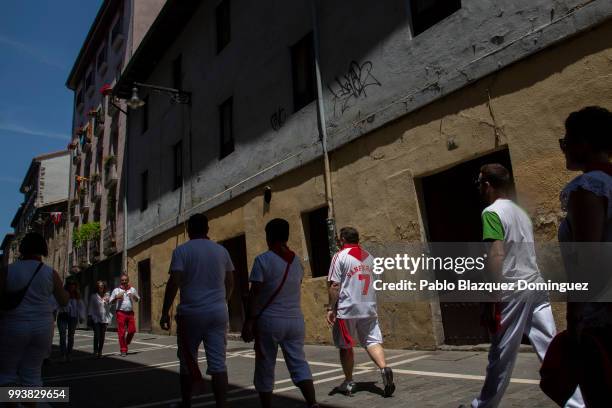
column 39, row 41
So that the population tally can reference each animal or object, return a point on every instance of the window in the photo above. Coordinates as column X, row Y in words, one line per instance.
column 226, row 137
column 144, row 190
column 178, row 165
column 116, row 33
column 145, row 115
column 426, row 13
column 101, row 59
column 79, row 98
column 302, row 64
column 177, row 72
column 315, row 226
column 89, row 80
column 223, row 24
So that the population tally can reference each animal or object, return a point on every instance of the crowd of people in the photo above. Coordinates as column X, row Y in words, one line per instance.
column 577, row 368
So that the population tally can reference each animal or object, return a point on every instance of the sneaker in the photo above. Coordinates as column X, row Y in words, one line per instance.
column 347, row 387
column 387, row 376
column 124, row 354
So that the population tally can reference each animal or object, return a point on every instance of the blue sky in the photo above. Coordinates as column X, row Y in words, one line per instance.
column 39, row 40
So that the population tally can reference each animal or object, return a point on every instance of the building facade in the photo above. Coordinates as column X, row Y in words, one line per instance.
column 44, row 209
column 375, row 115
column 96, row 224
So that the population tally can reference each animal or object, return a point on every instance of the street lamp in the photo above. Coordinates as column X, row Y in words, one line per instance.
column 176, row 95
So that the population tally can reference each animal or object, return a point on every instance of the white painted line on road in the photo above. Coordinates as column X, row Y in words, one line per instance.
column 369, row 364
column 461, row 376
column 133, row 341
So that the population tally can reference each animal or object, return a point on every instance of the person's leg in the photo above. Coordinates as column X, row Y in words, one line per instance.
column 72, row 324
column 62, row 326
column 35, row 351
column 295, row 359
column 131, row 330
column 370, row 337
column 121, row 331
column 188, row 339
column 505, row 344
column 266, row 350
column 541, row 330
column 102, row 337
column 214, row 336
column 96, row 337
column 12, row 348
column 344, row 342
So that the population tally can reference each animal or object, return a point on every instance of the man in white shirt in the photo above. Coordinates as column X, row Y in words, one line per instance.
column 203, row 270
column 125, row 296
column 352, row 309
column 511, row 257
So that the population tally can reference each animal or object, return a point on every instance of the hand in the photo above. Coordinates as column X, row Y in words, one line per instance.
column 119, row 295
column 164, row 322
column 330, row 317
column 248, row 331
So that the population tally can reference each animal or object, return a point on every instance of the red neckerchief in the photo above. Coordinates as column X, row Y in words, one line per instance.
column 605, row 167
column 356, row 251
column 125, row 287
column 283, row 251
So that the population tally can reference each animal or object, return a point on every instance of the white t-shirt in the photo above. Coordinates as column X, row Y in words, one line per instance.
column 352, row 268
column 269, row 269
column 35, row 306
column 505, row 221
column 124, row 304
column 203, row 265
column 99, row 309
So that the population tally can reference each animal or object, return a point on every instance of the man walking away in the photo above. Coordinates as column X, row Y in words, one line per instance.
column 203, row 271
column 352, row 309
column 275, row 315
column 125, row 296
column 511, row 257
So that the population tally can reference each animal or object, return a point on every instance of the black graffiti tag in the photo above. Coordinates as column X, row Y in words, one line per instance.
column 352, row 85
column 278, row 118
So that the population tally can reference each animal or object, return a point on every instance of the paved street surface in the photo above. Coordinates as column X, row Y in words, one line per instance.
column 148, row 377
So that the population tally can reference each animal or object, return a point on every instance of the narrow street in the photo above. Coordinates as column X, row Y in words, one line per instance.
column 147, row 377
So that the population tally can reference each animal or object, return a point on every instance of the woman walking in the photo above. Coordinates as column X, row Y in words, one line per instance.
column 26, row 313
column 68, row 318
column 587, row 147
column 99, row 312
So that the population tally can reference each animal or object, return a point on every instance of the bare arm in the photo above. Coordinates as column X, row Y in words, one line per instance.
column 495, row 260
column 61, row 296
column 172, row 286
column 333, row 292
column 253, row 301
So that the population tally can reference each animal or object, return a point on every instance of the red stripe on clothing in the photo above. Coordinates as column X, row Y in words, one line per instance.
column 346, row 335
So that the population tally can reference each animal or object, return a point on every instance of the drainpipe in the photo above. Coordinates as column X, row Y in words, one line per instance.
column 331, row 221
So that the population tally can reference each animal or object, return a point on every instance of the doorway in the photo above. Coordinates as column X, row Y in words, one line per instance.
column 315, row 228
column 238, row 301
column 451, row 208
column 144, row 287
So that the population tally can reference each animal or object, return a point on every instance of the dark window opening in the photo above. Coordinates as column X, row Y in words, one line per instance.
column 315, row 226
column 79, row 97
column 145, row 114
column 178, row 165
column 102, row 56
column 223, row 22
column 117, row 28
column 89, row 80
column 303, row 72
column 144, row 190
column 426, row 13
column 177, row 72
column 226, row 137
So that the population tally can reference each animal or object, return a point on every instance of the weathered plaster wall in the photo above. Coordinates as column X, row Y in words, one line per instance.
column 522, row 107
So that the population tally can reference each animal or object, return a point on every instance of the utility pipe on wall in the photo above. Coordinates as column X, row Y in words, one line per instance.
column 331, row 221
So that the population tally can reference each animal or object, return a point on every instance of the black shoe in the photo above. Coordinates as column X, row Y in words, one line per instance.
column 387, row 376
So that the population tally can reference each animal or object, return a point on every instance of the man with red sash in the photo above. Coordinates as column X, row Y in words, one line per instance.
column 203, row 270
column 352, row 309
column 275, row 315
column 125, row 296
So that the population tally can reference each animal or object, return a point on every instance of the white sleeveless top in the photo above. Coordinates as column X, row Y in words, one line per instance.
column 35, row 307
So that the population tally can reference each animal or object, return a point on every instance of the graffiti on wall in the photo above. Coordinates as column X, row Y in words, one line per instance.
column 352, row 85
column 278, row 119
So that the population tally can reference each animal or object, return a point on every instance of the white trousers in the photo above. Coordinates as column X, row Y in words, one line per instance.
column 533, row 318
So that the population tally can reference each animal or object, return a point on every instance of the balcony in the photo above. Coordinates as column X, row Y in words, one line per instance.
column 96, row 190
column 85, row 202
column 110, row 174
column 93, row 247
column 81, row 256
column 110, row 243
column 76, row 212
